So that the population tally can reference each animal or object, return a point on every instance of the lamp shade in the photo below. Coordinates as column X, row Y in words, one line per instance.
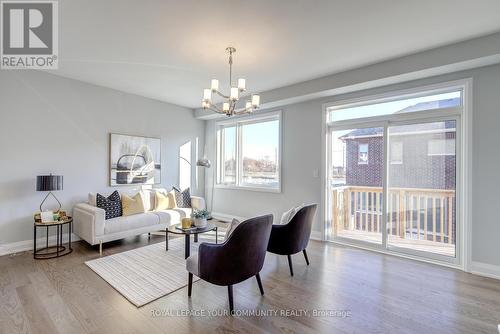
column 203, row 162
column 49, row 182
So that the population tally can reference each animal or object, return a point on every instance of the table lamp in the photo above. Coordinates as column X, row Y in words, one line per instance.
column 49, row 183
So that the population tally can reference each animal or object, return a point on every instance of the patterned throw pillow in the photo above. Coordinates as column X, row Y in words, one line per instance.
column 182, row 198
column 231, row 228
column 112, row 204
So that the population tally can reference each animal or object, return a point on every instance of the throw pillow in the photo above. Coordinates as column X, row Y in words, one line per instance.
column 148, row 198
column 111, row 204
column 92, row 199
column 231, row 228
column 182, row 198
column 165, row 201
column 288, row 215
column 133, row 205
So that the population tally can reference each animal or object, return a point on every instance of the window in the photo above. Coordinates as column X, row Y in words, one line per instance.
column 393, row 178
column 363, row 154
column 396, row 153
column 400, row 105
column 437, row 147
column 248, row 152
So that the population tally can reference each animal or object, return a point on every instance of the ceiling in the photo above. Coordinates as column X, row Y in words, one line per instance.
column 169, row 50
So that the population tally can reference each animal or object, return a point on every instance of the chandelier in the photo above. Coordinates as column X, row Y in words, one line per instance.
column 231, row 100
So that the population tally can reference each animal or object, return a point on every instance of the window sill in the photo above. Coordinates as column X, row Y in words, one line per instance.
column 249, row 188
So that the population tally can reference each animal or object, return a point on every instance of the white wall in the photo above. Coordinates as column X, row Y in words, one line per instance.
column 302, row 155
column 50, row 124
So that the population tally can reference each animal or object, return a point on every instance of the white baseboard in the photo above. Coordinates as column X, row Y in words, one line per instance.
column 227, row 217
column 316, row 235
column 485, row 269
column 27, row 245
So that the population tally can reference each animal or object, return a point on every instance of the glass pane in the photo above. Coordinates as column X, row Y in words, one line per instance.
column 421, row 205
column 355, row 177
column 228, row 155
column 260, row 154
column 436, row 101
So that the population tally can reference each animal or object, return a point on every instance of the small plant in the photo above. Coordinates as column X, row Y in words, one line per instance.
column 200, row 214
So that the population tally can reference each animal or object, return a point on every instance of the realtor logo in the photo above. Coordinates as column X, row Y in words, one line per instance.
column 29, row 35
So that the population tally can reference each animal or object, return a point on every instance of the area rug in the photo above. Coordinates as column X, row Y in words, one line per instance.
column 145, row 274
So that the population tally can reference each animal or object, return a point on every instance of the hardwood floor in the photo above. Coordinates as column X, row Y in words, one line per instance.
column 383, row 294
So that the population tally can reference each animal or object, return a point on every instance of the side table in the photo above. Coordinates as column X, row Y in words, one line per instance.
column 57, row 250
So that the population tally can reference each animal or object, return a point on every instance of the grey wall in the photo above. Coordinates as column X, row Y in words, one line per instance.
column 50, row 124
column 302, row 155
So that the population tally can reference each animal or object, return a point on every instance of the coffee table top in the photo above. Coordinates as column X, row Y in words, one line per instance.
column 194, row 230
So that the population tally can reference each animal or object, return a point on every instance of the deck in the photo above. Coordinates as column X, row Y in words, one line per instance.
column 418, row 245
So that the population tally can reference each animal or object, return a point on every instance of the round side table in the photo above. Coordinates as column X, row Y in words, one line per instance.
column 57, row 250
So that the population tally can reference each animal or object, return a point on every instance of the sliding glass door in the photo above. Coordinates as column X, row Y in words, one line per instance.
column 356, row 183
column 393, row 168
column 422, row 186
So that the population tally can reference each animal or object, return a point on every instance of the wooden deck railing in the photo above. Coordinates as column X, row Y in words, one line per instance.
column 421, row 214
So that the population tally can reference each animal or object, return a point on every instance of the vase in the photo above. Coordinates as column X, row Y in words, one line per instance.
column 200, row 222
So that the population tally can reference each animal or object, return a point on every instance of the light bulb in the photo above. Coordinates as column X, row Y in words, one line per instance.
column 234, row 93
column 248, row 106
column 207, row 94
column 215, row 85
column 241, row 84
column 255, row 101
column 225, row 107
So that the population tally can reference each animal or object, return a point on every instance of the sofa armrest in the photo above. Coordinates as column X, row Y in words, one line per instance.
column 198, row 203
column 88, row 222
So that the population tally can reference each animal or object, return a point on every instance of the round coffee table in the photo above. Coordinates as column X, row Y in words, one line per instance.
column 176, row 229
column 50, row 252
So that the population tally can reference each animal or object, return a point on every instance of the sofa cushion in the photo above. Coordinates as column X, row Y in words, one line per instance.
column 133, row 205
column 111, row 204
column 165, row 201
column 168, row 217
column 126, row 223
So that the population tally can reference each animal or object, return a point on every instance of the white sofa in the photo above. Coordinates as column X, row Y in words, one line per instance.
column 89, row 221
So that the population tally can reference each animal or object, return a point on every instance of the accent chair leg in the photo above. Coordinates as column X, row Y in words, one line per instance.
column 305, row 256
column 290, row 264
column 190, row 284
column 100, row 247
column 230, row 293
column 259, row 282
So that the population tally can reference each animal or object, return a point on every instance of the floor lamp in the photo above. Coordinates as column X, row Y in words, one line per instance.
column 205, row 162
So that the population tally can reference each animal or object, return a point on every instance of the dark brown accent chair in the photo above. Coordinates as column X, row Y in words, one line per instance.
column 293, row 237
column 238, row 258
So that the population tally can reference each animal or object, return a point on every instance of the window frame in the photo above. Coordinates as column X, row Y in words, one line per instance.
column 361, row 162
column 444, row 154
column 461, row 114
column 391, row 149
column 238, row 122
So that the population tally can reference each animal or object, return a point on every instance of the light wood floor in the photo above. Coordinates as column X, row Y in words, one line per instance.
column 383, row 294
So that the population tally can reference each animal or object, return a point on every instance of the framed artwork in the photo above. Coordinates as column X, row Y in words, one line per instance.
column 134, row 160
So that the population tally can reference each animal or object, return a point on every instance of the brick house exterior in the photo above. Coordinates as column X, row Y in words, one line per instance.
column 418, row 168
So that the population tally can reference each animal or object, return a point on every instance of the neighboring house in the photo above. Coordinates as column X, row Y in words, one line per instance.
column 420, row 155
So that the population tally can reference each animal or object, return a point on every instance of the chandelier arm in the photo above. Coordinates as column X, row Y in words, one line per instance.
column 222, row 95
column 214, row 108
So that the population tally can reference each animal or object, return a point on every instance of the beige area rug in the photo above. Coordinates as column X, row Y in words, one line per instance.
column 145, row 274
